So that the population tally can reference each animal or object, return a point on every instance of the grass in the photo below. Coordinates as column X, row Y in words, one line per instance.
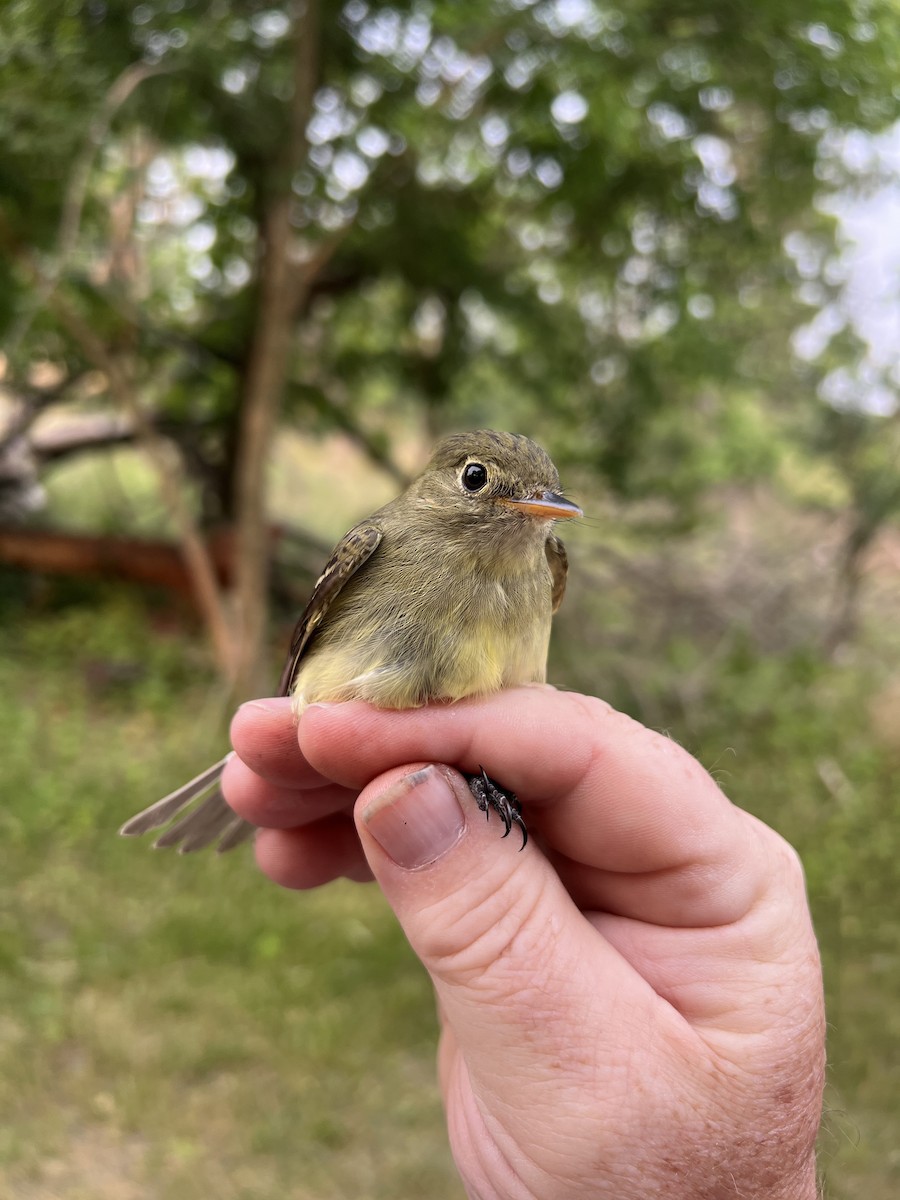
column 174, row 1026
column 178, row 1028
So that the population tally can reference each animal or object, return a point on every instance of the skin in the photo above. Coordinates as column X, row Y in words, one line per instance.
column 630, row 1008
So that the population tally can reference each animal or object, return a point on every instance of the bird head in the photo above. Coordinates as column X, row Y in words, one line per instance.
column 494, row 480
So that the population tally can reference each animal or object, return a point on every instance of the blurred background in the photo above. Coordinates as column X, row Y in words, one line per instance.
column 253, row 259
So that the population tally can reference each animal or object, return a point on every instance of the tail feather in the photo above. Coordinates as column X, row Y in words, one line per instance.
column 199, row 826
column 208, row 821
column 170, row 806
column 239, row 831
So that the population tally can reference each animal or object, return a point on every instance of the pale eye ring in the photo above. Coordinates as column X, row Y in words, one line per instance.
column 474, row 477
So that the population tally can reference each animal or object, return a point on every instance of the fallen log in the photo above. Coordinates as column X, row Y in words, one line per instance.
column 149, row 561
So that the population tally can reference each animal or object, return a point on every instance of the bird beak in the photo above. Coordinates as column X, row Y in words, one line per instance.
column 544, row 506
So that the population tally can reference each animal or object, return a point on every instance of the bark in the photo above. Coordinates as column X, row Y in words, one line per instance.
column 280, row 286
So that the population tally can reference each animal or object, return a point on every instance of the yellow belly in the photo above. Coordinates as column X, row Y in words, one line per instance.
column 475, row 661
column 401, row 647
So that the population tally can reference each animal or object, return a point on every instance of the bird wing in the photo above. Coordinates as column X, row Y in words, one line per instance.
column 558, row 562
column 354, row 549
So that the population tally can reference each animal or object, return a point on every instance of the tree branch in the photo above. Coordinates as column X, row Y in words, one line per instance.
column 30, row 408
column 193, row 548
column 76, row 190
column 267, row 366
column 341, row 418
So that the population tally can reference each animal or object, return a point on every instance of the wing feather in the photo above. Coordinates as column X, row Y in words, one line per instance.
column 354, row 549
column 558, row 562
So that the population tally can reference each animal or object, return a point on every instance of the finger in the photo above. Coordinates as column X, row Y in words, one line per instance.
column 313, row 854
column 713, row 890
column 519, row 972
column 264, row 736
column 604, row 792
column 270, row 806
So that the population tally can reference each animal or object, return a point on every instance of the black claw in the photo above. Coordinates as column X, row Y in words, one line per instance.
column 490, row 795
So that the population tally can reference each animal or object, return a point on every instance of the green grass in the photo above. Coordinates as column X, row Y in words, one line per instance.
column 179, row 1028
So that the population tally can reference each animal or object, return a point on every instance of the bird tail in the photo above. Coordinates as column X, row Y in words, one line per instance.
column 209, row 819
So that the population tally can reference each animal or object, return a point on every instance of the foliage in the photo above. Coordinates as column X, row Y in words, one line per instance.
column 596, row 224
column 556, row 214
column 148, row 1013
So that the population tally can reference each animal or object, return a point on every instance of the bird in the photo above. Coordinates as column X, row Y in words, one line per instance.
column 446, row 592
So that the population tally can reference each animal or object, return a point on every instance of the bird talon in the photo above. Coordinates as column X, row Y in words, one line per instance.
column 490, row 795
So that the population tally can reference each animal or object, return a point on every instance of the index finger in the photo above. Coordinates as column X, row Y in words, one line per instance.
column 635, row 824
column 264, row 737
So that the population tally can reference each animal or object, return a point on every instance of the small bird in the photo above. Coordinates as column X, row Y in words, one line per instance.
column 447, row 591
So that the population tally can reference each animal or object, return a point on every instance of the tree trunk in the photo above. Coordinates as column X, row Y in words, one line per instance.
column 267, row 368
column 842, row 623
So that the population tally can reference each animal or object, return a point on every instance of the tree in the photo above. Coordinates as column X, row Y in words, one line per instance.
column 556, row 215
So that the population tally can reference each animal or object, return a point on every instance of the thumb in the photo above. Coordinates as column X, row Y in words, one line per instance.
column 520, row 973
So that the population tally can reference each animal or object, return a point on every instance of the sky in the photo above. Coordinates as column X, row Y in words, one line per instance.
column 870, row 262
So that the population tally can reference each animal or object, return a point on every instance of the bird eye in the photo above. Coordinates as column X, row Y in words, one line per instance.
column 474, row 477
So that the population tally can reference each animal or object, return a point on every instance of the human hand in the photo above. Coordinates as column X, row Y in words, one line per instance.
column 632, row 1007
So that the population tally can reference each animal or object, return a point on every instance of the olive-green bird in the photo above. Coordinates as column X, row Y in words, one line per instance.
column 447, row 591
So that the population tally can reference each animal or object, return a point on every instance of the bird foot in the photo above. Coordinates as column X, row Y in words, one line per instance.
column 490, row 795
